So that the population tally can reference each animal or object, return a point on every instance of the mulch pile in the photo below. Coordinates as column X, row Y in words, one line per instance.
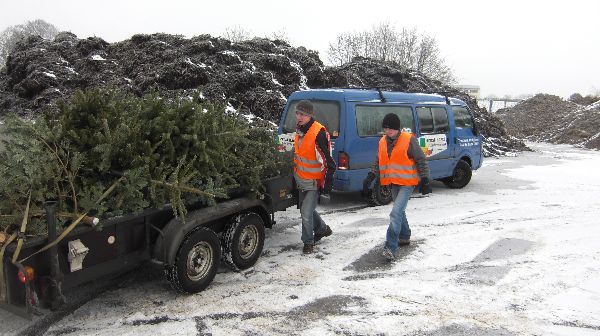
column 254, row 76
column 549, row 118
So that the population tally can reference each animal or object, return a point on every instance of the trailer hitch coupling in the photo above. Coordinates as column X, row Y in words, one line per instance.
column 77, row 252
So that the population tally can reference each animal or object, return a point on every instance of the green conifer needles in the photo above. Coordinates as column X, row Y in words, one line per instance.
column 179, row 151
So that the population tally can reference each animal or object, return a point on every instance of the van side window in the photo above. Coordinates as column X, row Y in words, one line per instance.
column 327, row 113
column 369, row 118
column 432, row 119
column 462, row 117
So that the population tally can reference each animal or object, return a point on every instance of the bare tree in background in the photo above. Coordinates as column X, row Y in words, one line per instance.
column 383, row 42
column 13, row 34
column 280, row 35
column 237, row 34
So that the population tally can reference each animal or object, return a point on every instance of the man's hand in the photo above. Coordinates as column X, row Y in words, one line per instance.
column 366, row 190
column 424, row 187
column 324, row 199
column 324, row 194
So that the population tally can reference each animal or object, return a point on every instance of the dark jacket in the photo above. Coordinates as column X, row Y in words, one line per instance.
column 323, row 146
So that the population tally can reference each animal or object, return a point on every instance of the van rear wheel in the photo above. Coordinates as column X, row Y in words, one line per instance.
column 380, row 195
column 460, row 176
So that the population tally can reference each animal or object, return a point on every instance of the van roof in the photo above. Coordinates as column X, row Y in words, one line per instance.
column 373, row 95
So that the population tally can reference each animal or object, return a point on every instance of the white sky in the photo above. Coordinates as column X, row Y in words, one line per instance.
column 508, row 48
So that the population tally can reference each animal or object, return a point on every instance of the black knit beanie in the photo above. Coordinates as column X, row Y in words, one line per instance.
column 391, row 121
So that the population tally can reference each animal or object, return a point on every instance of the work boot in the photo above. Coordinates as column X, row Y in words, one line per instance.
column 403, row 242
column 308, row 248
column 326, row 233
column 388, row 254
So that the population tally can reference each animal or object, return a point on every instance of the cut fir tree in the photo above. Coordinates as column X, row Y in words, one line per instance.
column 109, row 153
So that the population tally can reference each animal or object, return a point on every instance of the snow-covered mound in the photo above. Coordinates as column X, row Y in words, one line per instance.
column 254, row 76
column 551, row 119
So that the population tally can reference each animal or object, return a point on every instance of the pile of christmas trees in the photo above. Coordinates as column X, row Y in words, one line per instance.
column 108, row 153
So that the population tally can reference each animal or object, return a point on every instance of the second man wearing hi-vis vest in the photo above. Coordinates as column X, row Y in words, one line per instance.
column 313, row 172
column 401, row 163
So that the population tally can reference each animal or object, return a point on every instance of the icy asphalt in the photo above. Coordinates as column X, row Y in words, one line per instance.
column 515, row 252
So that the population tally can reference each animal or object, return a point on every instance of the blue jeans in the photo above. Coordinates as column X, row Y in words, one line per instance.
column 398, row 228
column 311, row 221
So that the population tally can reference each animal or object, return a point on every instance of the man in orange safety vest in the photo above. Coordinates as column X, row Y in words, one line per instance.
column 313, row 172
column 400, row 163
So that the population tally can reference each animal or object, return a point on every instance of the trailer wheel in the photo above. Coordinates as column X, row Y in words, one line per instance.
column 243, row 240
column 460, row 177
column 196, row 262
column 380, row 195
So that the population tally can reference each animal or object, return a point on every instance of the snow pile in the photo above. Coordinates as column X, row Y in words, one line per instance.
column 255, row 76
column 551, row 119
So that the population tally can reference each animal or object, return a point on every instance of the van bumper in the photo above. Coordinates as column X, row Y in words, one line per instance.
column 349, row 179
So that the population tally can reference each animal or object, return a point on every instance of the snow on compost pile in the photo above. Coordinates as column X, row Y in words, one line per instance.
column 551, row 119
column 255, row 76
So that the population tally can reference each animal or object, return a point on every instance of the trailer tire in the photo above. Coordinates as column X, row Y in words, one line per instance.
column 461, row 176
column 243, row 240
column 380, row 195
column 196, row 262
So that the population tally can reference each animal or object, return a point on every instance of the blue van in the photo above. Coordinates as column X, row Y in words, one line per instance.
column 445, row 128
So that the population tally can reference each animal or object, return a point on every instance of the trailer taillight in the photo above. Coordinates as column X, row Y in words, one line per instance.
column 25, row 274
column 343, row 161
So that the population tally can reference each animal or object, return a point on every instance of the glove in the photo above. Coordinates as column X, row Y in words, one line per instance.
column 324, row 192
column 424, row 187
column 366, row 190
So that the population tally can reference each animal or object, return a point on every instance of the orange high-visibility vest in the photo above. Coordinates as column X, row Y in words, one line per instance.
column 397, row 169
column 307, row 166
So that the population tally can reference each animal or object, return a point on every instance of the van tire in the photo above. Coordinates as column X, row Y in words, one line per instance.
column 380, row 195
column 460, row 176
column 196, row 262
column 243, row 240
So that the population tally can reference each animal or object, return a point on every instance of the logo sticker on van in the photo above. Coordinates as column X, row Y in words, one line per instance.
column 433, row 144
column 286, row 141
column 468, row 142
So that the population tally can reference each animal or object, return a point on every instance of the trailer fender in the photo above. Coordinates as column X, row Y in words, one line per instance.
column 214, row 217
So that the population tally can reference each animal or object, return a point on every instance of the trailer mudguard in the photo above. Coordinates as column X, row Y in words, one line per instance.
column 214, row 217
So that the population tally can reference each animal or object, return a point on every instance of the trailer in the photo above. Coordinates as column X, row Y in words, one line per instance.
column 189, row 251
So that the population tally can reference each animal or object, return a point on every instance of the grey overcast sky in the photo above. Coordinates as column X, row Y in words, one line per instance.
column 509, row 47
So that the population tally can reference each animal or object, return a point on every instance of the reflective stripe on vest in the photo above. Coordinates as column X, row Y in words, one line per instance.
column 306, row 164
column 397, row 169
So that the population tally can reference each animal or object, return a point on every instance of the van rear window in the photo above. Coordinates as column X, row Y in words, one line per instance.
column 369, row 118
column 327, row 113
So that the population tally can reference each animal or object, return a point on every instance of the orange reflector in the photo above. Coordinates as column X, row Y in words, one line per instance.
column 26, row 274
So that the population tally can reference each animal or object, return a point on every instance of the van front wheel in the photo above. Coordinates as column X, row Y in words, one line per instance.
column 380, row 195
column 460, row 176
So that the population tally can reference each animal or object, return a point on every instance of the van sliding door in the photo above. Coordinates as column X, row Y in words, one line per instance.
column 435, row 138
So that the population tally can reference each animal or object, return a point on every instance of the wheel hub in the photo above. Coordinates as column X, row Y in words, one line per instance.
column 385, row 192
column 248, row 242
column 199, row 261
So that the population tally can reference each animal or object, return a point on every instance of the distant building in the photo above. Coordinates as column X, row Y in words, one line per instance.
column 471, row 90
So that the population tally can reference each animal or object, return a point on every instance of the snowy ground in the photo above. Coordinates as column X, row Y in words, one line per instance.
column 515, row 252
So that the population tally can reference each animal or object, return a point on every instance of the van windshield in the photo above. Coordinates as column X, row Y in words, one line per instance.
column 369, row 118
column 327, row 112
